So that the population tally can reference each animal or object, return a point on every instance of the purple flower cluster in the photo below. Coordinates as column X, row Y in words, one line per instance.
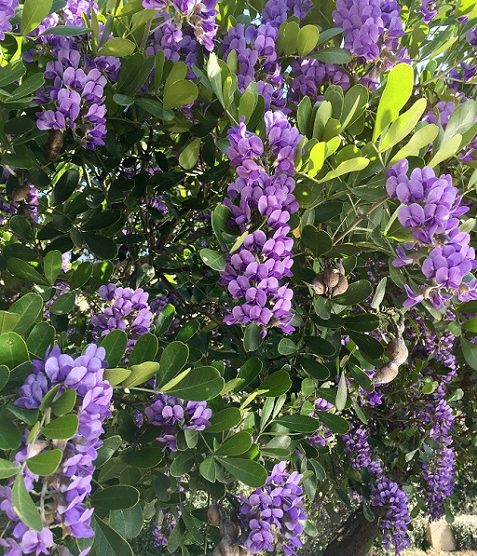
column 431, row 209
column 371, row 27
column 79, row 99
column 261, row 204
column 309, row 75
column 65, row 493
column 126, row 309
column 172, row 415
column 198, row 16
column 274, row 514
column 7, row 11
column 388, row 495
column 428, row 10
column 75, row 9
column 175, row 43
column 322, row 436
column 30, row 202
column 276, row 12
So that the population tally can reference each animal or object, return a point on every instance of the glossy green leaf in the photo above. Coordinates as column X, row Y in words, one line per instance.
column 224, row 420
column 41, row 337
column 423, row 137
column 141, row 373
column 202, row 383
column 145, row 458
column 29, row 307
column 333, row 55
column 127, row 522
column 172, row 361
column 317, row 157
column 25, row 271
column 470, row 353
column 252, row 338
column 24, row 506
column 352, row 165
column 276, row 384
column 8, row 469
column 65, row 403
column 13, row 350
column 33, row 13
column 63, row 304
column 108, row 542
column 115, row 497
column 117, row 47
column 179, row 93
column 182, row 463
column 341, row 393
column 213, row 259
column 116, row 375
column 8, row 321
column 307, row 39
column 61, row 428
column 246, row 471
column 115, row 345
column 52, row 265
column 299, row 423
column 10, row 435
column 45, row 463
column 401, row 127
column 318, row 241
column 447, row 150
column 335, row 423
column 235, row 445
column 145, row 349
column 190, row 154
column 357, row 292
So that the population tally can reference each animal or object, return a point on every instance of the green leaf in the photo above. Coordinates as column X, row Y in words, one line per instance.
column 116, row 375
column 40, row 339
column 335, row 423
column 107, row 450
column 286, row 346
column 182, row 464
column 367, row 344
column 220, row 219
column 62, row 428
column 307, row 39
column 179, row 93
column 115, row 345
column 224, row 420
column 446, row 150
column 423, row 137
column 214, row 73
column 401, row 127
column 145, row 458
column 117, row 497
column 102, row 247
column 213, row 259
column 355, row 164
column 66, row 186
column 320, row 346
column 470, row 353
column 25, row 271
column 248, row 101
column 304, row 113
column 127, row 522
column 461, row 120
column 299, row 423
column 276, row 384
column 29, row 307
column 252, row 339
column 355, row 102
column 145, row 349
column 246, row 471
column 34, row 12
column 379, row 293
column 66, row 31
column 471, row 325
column 13, row 350
column 396, row 93
column 8, row 321
column 288, row 37
column 235, row 445
column 52, row 265
column 45, row 463
column 11, row 73
column 10, row 435
column 81, row 275
column 135, row 71
column 172, row 361
column 4, row 376
column 357, row 292
column 65, row 403
column 141, row 373
column 202, row 383
column 117, row 47
column 24, row 506
column 63, row 304
column 8, row 469
column 107, row 542
column 190, row 154
column 317, row 157
column 208, row 469
column 314, row 368
column 333, row 55
column 318, row 241
column 341, row 393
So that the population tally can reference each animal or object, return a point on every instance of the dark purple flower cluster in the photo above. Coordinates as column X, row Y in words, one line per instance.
column 79, row 99
column 274, row 514
column 471, row 36
column 388, row 495
column 428, row 10
column 7, row 11
column 309, row 75
column 175, row 43
column 172, row 415
column 431, row 209
column 126, row 309
column 261, row 204
column 276, row 12
column 162, row 530
column 371, row 27
column 322, row 436
column 198, row 16
column 65, row 493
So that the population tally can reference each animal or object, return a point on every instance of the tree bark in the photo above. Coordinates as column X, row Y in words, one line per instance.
column 354, row 538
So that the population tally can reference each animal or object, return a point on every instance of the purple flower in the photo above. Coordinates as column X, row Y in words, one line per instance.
column 7, row 11
column 428, row 10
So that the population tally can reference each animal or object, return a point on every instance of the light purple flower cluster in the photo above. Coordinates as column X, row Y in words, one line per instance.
column 261, row 204
column 309, row 75
column 126, row 309
column 64, row 495
column 428, row 10
column 322, row 436
column 7, row 11
column 431, row 209
column 199, row 16
column 274, row 514
column 75, row 9
column 173, row 415
column 175, row 43
column 372, row 28
column 276, row 12
column 385, row 493
column 79, row 99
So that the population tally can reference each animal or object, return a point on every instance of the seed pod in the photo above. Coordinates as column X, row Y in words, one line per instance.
column 386, row 373
column 397, row 351
column 318, row 286
column 341, row 287
column 331, row 277
column 213, row 515
column 55, row 144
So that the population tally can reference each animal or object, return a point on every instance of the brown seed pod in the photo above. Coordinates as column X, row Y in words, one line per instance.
column 318, row 286
column 20, row 192
column 213, row 516
column 341, row 287
column 397, row 351
column 55, row 144
column 386, row 373
column 331, row 277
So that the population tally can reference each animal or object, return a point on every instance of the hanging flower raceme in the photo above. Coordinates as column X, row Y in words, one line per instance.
column 7, row 11
column 431, row 209
column 172, row 415
column 261, row 204
column 63, row 495
column 323, row 435
column 125, row 309
column 274, row 514
column 79, row 99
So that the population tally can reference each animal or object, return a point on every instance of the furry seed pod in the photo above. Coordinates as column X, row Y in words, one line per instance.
column 213, row 516
column 55, row 144
column 20, row 192
column 341, row 287
column 386, row 373
column 331, row 277
column 318, row 286
column 397, row 351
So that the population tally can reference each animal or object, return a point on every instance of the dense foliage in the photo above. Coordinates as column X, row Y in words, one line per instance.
column 236, row 278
